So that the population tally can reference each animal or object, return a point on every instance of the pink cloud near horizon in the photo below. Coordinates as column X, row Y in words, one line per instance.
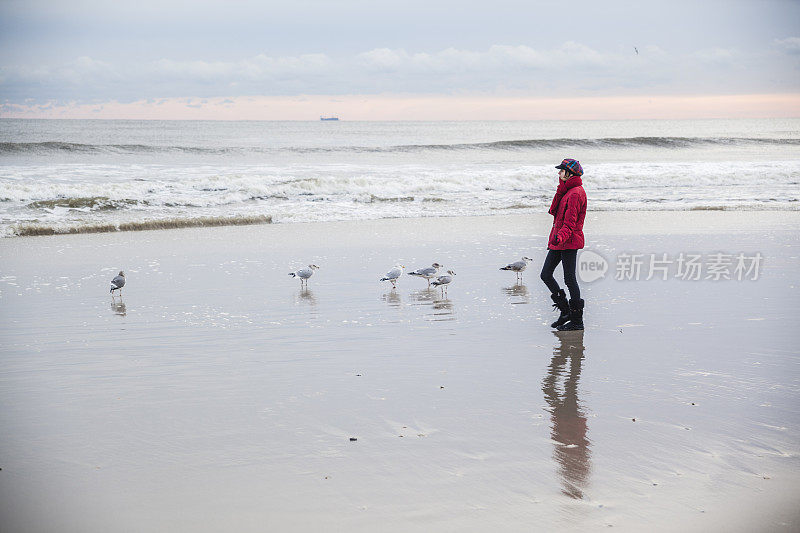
column 435, row 107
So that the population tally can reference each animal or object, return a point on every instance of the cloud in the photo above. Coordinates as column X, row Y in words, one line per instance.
column 80, row 71
column 789, row 45
column 393, row 107
column 719, row 56
column 569, row 69
column 497, row 57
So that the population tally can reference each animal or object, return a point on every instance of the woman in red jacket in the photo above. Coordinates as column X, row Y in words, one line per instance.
column 566, row 238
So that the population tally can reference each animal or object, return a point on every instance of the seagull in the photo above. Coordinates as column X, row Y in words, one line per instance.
column 444, row 281
column 393, row 274
column 428, row 273
column 518, row 267
column 304, row 273
column 117, row 283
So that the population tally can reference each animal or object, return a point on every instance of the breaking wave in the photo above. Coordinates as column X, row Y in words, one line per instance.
column 81, row 148
column 523, row 144
column 28, row 230
column 607, row 142
column 376, row 199
column 64, row 177
column 98, row 203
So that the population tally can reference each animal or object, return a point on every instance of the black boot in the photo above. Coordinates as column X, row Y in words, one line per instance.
column 560, row 302
column 575, row 316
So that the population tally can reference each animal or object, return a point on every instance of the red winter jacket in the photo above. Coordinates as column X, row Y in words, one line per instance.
column 569, row 210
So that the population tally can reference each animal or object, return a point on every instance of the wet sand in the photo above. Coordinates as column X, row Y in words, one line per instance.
column 219, row 396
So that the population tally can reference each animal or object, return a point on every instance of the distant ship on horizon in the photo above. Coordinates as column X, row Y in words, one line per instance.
column 329, row 118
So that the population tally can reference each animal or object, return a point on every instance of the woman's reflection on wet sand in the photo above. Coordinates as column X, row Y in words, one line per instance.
column 572, row 453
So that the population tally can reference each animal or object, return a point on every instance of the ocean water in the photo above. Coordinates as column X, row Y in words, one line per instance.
column 73, row 176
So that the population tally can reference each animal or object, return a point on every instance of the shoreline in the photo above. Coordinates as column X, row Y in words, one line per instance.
column 721, row 219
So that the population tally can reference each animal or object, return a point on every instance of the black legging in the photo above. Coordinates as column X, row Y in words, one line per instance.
column 570, row 258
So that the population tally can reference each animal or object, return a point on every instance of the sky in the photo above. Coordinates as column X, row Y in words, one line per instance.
column 413, row 60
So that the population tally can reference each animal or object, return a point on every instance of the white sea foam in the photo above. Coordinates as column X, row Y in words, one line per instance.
column 373, row 172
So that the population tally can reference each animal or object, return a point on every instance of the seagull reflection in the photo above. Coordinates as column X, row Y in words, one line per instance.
column 442, row 305
column 306, row 296
column 118, row 308
column 392, row 298
column 567, row 416
column 442, row 309
column 518, row 290
column 423, row 296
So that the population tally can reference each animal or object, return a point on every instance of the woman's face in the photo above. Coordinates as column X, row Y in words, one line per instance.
column 562, row 174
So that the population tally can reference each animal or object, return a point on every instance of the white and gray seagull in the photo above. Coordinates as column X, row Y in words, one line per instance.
column 428, row 273
column 304, row 273
column 518, row 267
column 117, row 283
column 393, row 274
column 444, row 281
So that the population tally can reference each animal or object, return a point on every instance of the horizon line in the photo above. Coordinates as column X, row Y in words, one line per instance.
column 421, row 108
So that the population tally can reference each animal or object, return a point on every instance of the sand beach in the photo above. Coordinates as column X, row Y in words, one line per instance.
column 218, row 395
